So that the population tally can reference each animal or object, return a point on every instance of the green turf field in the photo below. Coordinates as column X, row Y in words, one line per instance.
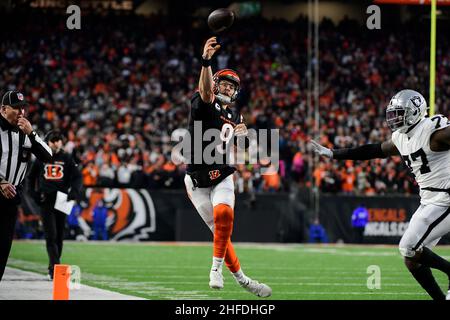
column 181, row 271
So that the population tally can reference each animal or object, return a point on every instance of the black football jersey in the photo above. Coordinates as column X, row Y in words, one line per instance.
column 212, row 116
column 59, row 174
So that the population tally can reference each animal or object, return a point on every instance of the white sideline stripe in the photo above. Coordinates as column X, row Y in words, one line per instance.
column 363, row 293
column 146, row 288
column 302, row 294
column 352, row 253
column 357, row 293
column 362, row 277
column 24, row 285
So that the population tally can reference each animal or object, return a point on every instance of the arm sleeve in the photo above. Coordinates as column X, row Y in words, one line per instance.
column 365, row 152
column 32, row 176
column 39, row 148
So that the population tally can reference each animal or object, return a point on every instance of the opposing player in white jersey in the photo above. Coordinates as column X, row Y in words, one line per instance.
column 424, row 145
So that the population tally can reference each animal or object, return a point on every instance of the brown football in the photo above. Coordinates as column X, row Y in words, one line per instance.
column 220, row 19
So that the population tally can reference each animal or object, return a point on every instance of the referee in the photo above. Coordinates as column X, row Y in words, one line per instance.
column 17, row 142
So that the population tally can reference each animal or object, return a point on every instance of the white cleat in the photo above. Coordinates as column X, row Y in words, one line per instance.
column 259, row 289
column 448, row 295
column 216, row 279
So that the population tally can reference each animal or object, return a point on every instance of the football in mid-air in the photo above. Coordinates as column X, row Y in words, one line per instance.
column 220, row 19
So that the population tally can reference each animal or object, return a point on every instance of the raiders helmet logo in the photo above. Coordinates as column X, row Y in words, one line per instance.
column 20, row 96
column 214, row 174
column 416, row 101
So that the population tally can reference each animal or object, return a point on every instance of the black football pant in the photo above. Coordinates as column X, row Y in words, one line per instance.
column 8, row 217
column 54, row 223
column 358, row 234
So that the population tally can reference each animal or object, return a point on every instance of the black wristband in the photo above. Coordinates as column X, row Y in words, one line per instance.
column 365, row 152
column 206, row 62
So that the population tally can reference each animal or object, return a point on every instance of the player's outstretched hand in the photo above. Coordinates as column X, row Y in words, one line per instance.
column 210, row 48
column 321, row 150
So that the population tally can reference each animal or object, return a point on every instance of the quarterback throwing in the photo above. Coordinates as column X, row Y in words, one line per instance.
column 210, row 186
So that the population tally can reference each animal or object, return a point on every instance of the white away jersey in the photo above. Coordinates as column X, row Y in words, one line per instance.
column 431, row 169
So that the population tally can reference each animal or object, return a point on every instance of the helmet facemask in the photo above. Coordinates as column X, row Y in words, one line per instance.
column 231, row 76
column 395, row 118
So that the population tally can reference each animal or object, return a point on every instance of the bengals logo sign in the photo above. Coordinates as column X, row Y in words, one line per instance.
column 131, row 212
column 214, row 174
column 53, row 172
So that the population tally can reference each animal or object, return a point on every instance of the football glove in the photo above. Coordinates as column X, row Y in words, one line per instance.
column 321, row 150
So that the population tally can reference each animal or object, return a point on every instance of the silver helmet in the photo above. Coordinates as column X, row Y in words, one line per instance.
column 405, row 109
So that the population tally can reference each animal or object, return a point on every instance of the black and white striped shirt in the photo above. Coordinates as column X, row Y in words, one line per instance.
column 15, row 151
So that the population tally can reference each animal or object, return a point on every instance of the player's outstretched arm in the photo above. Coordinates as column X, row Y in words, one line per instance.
column 389, row 149
column 205, row 84
column 364, row 152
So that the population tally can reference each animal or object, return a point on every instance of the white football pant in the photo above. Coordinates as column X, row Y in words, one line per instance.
column 205, row 199
column 428, row 224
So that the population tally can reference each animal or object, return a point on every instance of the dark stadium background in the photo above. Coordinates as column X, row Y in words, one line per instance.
column 119, row 86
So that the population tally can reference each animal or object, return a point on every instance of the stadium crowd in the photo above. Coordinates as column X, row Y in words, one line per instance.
column 118, row 88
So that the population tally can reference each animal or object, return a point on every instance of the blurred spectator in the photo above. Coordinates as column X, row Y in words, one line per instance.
column 74, row 230
column 90, row 174
column 124, row 175
column 99, row 215
column 298, row 167
column 271, row 182
column 27, row 226
column 360, row 217
column 106, row 175
column 317, row 233
column 119, row 95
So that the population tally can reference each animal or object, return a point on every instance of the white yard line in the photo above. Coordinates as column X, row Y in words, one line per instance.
column 299, row 284
column 341, row 252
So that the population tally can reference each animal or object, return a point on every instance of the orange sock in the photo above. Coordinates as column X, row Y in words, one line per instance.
column 231, row 259
column 223, row 227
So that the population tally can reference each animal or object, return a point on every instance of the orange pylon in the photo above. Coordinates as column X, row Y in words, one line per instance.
column 61, row 278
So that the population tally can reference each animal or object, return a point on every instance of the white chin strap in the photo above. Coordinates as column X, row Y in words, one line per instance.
column 223, row 98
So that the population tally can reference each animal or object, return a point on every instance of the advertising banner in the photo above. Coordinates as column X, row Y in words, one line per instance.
column 388, row 218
